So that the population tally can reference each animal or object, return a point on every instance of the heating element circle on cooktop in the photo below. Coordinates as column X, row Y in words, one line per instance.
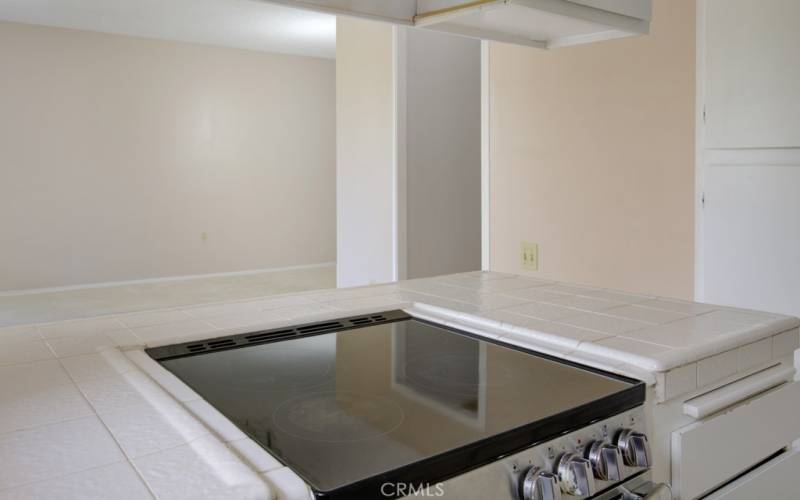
column 338, row 416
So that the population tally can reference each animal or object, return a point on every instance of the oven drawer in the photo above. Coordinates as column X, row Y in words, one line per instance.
column 775, row 480
column 712, row 451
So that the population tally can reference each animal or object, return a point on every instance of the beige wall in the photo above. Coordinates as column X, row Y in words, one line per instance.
column 592, row 157
column 366, row 143
column 117, row 153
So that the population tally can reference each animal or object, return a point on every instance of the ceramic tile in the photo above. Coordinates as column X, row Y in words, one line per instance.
column 539, row 342
column 624, row 349
column 55, row 450
column 377, row 303
column 646, row 314
column 97, row 365
column 226, row 309
column 520, row 330
column 717, row 367
column 38, row 394
column 122, row 392
column 14, row 353
column 32, row 376
column 757, row 353
column 539, row 310
column 691, row 308
column 125, row 339
column 572, row 332
column 745, row 318
column 173, row 330
column 202, row 469
column 438, row 290
column 254, row 455
column 584, row 303
column 80, row 327
column 83, row 344
column 433, row 303
column 489, row 275
column 23, row 333
column 785, row 343
column 169, row 382
column 214, row 420
column 492, row 286
column 154, row 318
column 510, row 320
column 33, row 408
column 94, row 484
column 570, row 289
column 592, row 360
column 605, row 324
column 695, row 331
column 360, row 292
column 146, row 429
column 305, row 311
column 618, row 296
column 534, row 294
column 681, row 380
column 287, row 484
column 249, row 319
column 270, row 303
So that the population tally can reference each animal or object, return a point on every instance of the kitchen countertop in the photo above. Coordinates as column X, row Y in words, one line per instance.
column 85, row 413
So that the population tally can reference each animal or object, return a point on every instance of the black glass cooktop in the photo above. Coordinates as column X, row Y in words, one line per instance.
column 353, row 403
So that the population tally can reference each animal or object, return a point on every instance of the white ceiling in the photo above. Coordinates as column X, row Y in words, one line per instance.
column 245, row 24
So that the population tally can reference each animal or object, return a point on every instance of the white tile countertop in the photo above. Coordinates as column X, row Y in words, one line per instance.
column 85, row 413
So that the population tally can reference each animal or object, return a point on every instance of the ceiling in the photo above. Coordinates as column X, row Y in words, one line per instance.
column 244, row 24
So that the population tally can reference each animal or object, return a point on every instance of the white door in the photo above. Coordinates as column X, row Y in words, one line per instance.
column 749, row 154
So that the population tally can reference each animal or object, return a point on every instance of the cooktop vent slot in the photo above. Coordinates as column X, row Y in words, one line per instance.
column 266, row 336
column 320, row 327
column 361, row 321
column 262, row 336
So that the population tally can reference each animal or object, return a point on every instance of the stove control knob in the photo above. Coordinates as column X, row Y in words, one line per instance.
column 606, row 460
column 575, row 475
column 635, row 448
column 540, row 485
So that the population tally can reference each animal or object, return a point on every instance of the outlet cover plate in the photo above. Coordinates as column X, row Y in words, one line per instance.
column 530, row 256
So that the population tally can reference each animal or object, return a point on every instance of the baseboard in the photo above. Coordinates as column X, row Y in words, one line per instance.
column 34, row 291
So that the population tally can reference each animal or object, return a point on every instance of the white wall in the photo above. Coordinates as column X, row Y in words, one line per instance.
column 443, row 153
column 749, row 154
column 366, row 152
column 118, row 153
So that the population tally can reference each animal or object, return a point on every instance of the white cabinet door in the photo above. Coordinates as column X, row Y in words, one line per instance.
column 749, row 163
column 752, row 237
column 752, row 73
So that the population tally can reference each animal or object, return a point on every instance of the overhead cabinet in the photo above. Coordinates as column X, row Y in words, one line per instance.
column 537, row 23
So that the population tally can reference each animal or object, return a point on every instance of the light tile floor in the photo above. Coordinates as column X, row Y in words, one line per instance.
column 90, row 302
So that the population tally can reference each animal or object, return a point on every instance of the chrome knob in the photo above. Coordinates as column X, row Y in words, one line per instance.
column 606, row 460
column 575, row 475
column 539, row 485
column 635, row 448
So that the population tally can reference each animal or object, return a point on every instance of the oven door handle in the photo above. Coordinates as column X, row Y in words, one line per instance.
column 647, row 491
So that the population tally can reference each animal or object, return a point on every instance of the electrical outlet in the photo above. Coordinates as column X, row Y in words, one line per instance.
column 530, row 256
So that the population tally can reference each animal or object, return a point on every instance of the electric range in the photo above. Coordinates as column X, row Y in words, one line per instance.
column 387, row 405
